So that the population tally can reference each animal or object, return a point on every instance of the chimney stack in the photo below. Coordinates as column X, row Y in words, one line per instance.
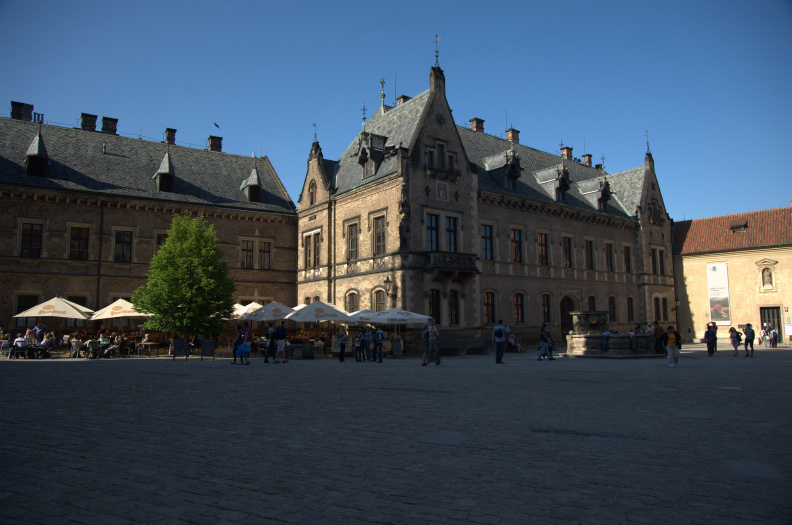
column 477, row 125
column 513, row 135
column 402, row 99
column 587, row 159
column 87, row 122
column 109, row 125
column 21, row 111
column 566, row 152
column 215, row 143
column 170, row 136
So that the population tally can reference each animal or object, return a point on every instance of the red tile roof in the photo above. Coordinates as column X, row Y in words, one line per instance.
column 753, row 229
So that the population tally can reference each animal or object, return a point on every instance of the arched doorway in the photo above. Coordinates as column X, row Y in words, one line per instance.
column 565, row 319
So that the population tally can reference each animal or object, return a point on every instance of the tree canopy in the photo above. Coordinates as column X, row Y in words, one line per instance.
column 189, row 289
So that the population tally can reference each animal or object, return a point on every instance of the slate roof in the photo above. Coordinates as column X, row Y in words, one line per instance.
column 77, row 164
column 483, row 150
column 739, row 231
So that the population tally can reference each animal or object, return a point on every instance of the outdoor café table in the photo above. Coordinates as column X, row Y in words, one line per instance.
column 149, row 345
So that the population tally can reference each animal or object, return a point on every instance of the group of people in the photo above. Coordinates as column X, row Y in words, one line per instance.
column 275, row 344
column 368, row 344
column 34, row 343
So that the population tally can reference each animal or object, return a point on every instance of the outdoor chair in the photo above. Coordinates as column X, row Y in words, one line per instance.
column 95, row 349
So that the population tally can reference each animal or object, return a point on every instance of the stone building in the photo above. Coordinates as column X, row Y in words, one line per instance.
column 429, row 216
column 734, row 269
column 84, row 211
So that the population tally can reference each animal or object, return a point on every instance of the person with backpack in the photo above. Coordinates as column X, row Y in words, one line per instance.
column 379, row 340
column 709, row 338
column 431, row 335
column 673, row 346
column 545, row 340
column 749, row 338
column 342, row 342
column 499, row 338
column 736, row 339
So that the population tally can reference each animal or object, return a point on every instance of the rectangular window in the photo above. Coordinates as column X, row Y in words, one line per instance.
column 665, row 309
column 265, row 255
column 434, row 305
column 316, row 242
column 657, row 315
column 628, row 260
column 123, row 246
column 519, row 308
column 516, row 246
column 379, row 301
column 451, row 234
column 31, row 240
column 486, row 242
column 609, row 257
column 545, row 308
column 489, row 308
column 592, row 303
column 542, row 247
column 589, row 255
column 78, row 243
column 567, row 248
column 453, row 307
column 432, row 232
column 630, row 310
column 440, row 157
column 654, row 261
column 352, row 243
column 161, row 238
column 379, row 236
column 25, row 302
column 661, row 262
column 612, row 309
column 247, row 254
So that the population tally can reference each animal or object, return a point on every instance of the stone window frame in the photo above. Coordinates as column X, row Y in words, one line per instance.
column 610, row 258
column 489, row 308
column 379, row 299
column 518, row 306
column 546, row 307
column 613, row 308
column 349, row 305
column 442, row 221
column 517, row 255
column 378, row 249
column 492, row 241
column 590, row 253
column 311, row 242
column 312, row 193
column 630, row 305
column 21, row 223
column 70, row 226
column 627, row 257
column 546, row 235
column 114, row 231
column 568, row 262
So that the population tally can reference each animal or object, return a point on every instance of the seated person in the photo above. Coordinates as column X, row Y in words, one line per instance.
column 19, row 346
column 47, row 345
column 512, row 345
column 319, row 345
column 605, row 336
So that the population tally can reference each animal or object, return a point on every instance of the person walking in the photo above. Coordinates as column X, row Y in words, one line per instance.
column 379, row 340
column 342, row 341
column 236, row 342
column 360, row 355
column 280, row 338
column 368, row 344
column 735, row 337
column 545, row 338
column 673, row 345
column 499, row 334
column 749, row 338
column 773, row 338
column 244, row 346
column 658, row 332
column 709, row 338
column 431, row 335
column 271, row 343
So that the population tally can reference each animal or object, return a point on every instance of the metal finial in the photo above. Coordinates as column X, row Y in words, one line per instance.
column 382, row 95
column 364, row 114
column 437, row 51
column 314, row 125
column 603, row 160
column 647, row 142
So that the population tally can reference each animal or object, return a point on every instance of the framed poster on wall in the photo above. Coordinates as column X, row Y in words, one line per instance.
column 718, row 288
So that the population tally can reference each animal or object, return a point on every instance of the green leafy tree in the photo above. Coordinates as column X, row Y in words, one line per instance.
column 189, row 289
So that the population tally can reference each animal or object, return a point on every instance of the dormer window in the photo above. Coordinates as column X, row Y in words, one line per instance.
column 165, row 175
column 560, row 193
column 254, row 194
column 165, row 182
column 251, row 186
column 36, row 158
column 368, row 168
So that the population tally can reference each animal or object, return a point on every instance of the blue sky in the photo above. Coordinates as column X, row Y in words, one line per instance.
column 710, row 81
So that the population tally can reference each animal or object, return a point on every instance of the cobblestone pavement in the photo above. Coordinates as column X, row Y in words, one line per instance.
column 319, row 442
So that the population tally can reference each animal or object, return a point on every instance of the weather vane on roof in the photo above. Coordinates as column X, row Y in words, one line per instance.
column 437, row 51
column 382, row 95
column 363, row 109
column 647, row 142
column 603, row 160
column 314, row 125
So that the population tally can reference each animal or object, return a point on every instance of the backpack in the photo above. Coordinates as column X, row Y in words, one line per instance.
column 739, row 337
column 499, row 332
column 709, row 336
column 381, row 335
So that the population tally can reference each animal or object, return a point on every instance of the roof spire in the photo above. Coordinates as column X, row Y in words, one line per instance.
column 314, row 126
column 363, row 109
column 647, row 142
column 437, row 51
column 382, row 95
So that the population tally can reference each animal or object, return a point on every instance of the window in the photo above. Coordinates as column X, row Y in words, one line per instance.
column 451, row 234
column 654, row 261
column 165, row 182
column 511, row 182
column 82, row 301
column 379, row 236
column 519, row 308
column 31, row 240
column 265, row 255
column 612, row 309
column 486, row 242
column 311, row 250
column 516, row 246
column 123, row 246
column 661, row 262
column 602, row 204
column 609, row 257
column 665, row 309
column 545, row 308
column 430, row 159
column 78, row 243
column 434, row 305
column 352, row 242
column 440, row 157
column 379, row 301
column 592, row 303
column 589, row 254
column 247, row 255
column 352, row 302
column 489, row 308
column 312, row 193
column 567, row 249
column 560, row 194
column 628, row 260
column 453, row 307
column 657, row 315
column 432, row 227
column 161, row 238
column 542, row 242
column 630, row 310
column 25, row 302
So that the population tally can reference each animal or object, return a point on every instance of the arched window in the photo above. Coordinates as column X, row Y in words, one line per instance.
column 612, row 310
column 489, row 307
column 379, row 301
column 519, row 308
column 352, row 302
column 630, row 310
column 546, row 308
column 312, row 193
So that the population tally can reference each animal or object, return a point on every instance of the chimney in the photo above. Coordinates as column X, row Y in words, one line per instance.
column 437, row 80
column 402, row 99
column 87, row 122
column 587, row 159
column 566, row 152
column 477, row 124
column 109, row 125
column 170, row 136
column 215, row 143
column 513, row 135
column 21, row 111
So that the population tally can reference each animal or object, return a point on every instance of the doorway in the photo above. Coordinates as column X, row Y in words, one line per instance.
column 771, row 317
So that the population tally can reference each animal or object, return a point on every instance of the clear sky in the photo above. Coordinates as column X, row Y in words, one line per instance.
column 711, row 81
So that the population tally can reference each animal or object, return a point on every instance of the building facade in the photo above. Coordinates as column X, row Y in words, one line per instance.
column 84, row 211
column 429, row 216
column 733, row 270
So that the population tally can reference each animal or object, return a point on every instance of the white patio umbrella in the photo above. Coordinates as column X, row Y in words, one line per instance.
column 119, row 308
column 242, row 310
column 57, row 307
column 269, row 312
column 356, row 315
column 319, row 311
column 394, row 316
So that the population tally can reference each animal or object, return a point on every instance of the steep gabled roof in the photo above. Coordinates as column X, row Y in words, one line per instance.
column 739, row 231
column 77, row 163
